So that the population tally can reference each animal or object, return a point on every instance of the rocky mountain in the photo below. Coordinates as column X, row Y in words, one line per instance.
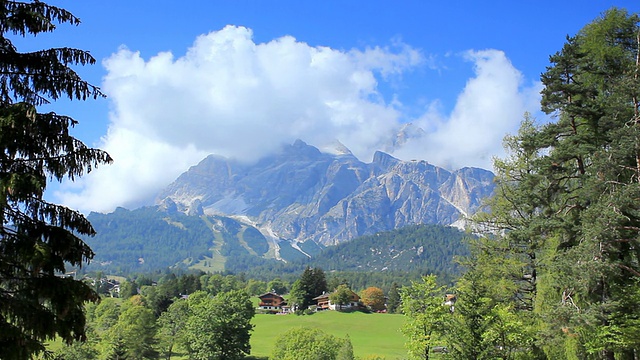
column 302, row 194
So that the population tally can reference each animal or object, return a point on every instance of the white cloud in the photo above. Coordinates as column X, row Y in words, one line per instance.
column 231, row 96
column 491, row 105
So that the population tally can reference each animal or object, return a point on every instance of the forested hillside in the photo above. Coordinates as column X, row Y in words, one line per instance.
column 425, row 248
column 145, row 240
column 381, row 259
column 152, row 238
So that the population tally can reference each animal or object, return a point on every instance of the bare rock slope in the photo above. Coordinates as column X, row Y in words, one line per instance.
column 304, row 194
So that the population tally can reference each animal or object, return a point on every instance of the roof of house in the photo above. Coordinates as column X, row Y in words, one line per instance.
column 326, row 295
column 270, row 294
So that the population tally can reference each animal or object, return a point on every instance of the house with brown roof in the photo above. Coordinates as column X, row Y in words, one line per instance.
column 324, row 302
column 272, row 301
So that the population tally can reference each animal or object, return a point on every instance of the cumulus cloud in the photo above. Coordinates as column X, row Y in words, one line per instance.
column 490, row 106
column 230, row 96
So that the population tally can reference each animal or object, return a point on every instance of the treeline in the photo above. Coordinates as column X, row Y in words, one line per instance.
column 202, row 316
column 161, row 321
column 399, row 255
column 426, row 248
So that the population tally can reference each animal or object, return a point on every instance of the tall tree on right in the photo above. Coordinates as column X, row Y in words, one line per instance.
column 567, row 210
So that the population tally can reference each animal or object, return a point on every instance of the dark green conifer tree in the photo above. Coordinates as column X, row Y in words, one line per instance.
column 565, row 220
column 312, row 283
column 393, row 299
column 38, row 239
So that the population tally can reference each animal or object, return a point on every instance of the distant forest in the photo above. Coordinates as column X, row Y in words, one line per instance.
column 150, row 239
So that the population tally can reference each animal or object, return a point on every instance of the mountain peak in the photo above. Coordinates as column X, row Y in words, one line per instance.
column 336, row 148
column 384, row 160
column 328, row 197
column 300, row 150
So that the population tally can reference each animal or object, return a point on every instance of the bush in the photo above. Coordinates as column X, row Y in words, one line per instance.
column 308, row 343
column 309, row 312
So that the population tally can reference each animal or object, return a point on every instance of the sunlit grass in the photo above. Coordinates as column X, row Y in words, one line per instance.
column 370, row 334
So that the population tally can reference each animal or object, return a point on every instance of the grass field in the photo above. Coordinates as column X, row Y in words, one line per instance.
column 370, row 334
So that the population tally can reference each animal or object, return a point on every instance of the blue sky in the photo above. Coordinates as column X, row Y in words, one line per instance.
column 239, row 78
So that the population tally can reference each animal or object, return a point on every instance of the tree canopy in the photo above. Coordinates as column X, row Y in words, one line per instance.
column 373, row 297
column 38, row 239
column 562, row 253
column 311, row 344
column 311, row 283
column 422, row 303
column 342, row 296
column 219, row 327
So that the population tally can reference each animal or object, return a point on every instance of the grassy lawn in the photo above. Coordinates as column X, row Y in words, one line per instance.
column 370, row 334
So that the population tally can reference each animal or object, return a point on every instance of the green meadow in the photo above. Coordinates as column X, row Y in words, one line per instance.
column 370, row 334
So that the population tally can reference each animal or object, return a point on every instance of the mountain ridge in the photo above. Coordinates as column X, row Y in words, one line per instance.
column 302, row 193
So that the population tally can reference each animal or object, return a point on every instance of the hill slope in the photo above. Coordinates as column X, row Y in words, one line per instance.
column 155, row 238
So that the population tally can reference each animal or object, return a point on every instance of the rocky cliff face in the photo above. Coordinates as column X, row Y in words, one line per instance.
column 303, row 194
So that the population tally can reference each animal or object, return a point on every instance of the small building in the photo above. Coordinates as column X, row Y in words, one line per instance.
column 324, row 303
column 450, row 301
column 272, row 301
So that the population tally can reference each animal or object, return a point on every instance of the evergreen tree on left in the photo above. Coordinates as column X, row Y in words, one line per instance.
column 38, row 239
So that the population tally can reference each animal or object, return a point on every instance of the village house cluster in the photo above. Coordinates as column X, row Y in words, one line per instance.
column 272, row 302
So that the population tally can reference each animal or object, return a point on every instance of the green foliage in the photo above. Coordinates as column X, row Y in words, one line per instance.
column 422, row 304
column 311, row 344
column 255, row 287
column 134, row 334
column 311, row 247
column 158, row 297
column 277, row 285
column 297, row 294
column 312, row 283
column 76, row 351
column 346, row 350
column 412, row 251
column 153, row 238
column 219, row 327
column 561, row 261
column 393, row 301
column 290, row 254
column 218, row 283
column 342, row 296
column 171, row 327
column 373, row 297
column 105, row 315
column 38, row 239
column 361, row 280
column 147, row 239
column 426, row 248
column 255, row 240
